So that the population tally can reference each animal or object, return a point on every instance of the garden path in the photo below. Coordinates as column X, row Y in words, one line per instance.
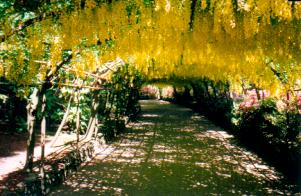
column 171, row 150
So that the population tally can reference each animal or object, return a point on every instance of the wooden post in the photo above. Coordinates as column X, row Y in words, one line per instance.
column 78, row 113
column 93, row 119
column 78, row 125
column 63, row 122
column 43, row 135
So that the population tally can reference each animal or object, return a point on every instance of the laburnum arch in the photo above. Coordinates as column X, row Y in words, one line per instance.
column 238, row 42
column 256, row 41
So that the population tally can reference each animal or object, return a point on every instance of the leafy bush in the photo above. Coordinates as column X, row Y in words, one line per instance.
column 108, row 129
column 122, row 101
column 272, row 132
column 213, row 100
column 21, row 124
column 112, row 128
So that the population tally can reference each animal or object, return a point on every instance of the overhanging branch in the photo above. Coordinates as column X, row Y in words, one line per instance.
column 28, row 23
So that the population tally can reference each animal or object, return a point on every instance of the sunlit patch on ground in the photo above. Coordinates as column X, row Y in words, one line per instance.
column 16, row 160
column 150, row 115
column 181, row 153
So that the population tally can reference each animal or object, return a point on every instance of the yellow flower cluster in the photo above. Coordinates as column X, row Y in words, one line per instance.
column 225, row 44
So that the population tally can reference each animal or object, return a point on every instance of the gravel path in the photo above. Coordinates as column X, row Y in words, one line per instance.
column 15, row 160
column 174, row 151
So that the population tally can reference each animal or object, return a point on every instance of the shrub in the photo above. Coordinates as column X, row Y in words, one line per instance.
column 272, row 132
column 213, row 100
column 122, row 101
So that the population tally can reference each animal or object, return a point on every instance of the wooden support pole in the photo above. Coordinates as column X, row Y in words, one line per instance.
column 93, row 119
column 63, row 122
column 43, row 138
column 78, row 114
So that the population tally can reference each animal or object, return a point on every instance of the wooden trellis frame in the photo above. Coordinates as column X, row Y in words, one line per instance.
column 38, row 97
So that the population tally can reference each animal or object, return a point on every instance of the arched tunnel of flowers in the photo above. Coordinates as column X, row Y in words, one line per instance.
column 74, row 71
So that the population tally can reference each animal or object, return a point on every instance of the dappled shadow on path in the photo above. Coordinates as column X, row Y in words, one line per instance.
column 173, row 151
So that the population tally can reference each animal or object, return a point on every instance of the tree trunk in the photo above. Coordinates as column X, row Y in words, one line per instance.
column 31, row 110
column 293, row 9
column 192, row 14
column 257, row 94
column 207, row 89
